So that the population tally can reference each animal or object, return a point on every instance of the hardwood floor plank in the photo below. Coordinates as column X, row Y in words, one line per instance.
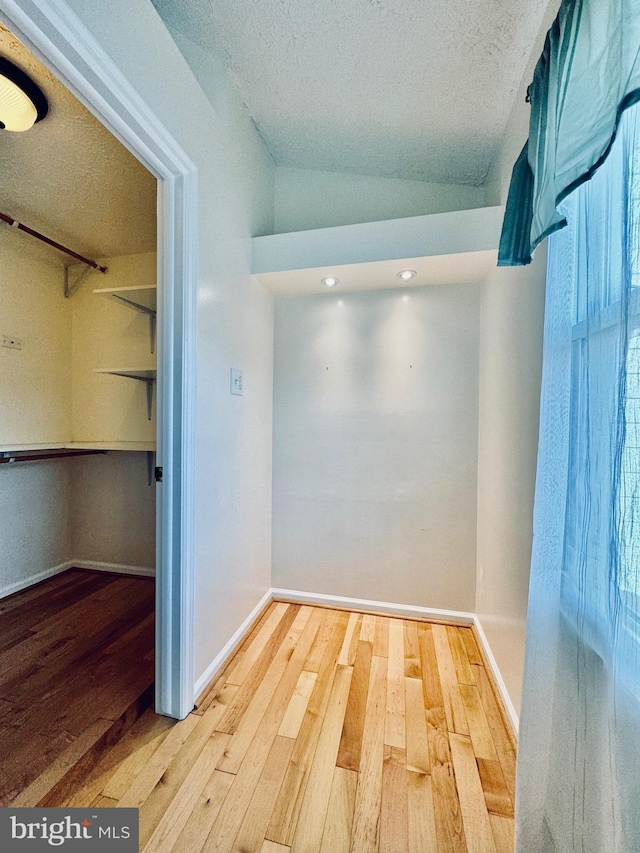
column 315, row 803
column 479, row 730
column 381, row 636
column 472, row 803
column 204, row 813
column 347, row 654
column 254, row 825
column 292, row 651
column 502, row 736
column 366, row 818
column 51, row 775
column 149, row 730
column 448, row 818
column 411, row 651
column 169, row 765
column 395, row 729
column 227, row 825
column 351, row 739
column 325, row 638
column 285, row 814
column 394, row 822
column 241, row 670
column 272, row 847
column 367, row 631
column 421, row 820
column 503, row 834
column 416, row 725
column 101, row 802
column 63, row 792
column 172, row 822
column 336, row 836
column 453, row 707
column 464, row 672
column 253, row 680
column 470, row 644
column 122, row 779
column 496, row 793
column 297, row 707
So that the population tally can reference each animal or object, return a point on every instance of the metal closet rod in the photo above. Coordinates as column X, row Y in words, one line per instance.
column 19, row 225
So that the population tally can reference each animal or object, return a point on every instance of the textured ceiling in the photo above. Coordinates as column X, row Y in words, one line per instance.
column 417, row 89
column 70, row 178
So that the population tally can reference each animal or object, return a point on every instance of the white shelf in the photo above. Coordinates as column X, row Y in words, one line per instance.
column 20, row 448
column 147, row 446
column 143, row 298
column 130, row 373
column 146, row 376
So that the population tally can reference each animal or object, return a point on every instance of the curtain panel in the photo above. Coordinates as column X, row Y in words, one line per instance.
column 588, row 74
column 578, row 785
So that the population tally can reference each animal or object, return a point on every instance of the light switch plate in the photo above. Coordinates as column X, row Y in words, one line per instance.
column 236, row 381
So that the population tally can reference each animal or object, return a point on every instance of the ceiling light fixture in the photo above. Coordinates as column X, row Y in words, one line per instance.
column 330, row 281
column 22, row 102
column 407, row 275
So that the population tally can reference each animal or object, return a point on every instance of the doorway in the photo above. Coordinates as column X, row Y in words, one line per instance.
column 57, row 38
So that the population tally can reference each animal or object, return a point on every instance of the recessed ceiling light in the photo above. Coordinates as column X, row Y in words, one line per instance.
column 407, row 275
column 22, row 103
column 330, row 282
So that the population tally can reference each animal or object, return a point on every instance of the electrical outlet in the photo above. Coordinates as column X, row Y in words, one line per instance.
column 236, row 381
column 11, row 342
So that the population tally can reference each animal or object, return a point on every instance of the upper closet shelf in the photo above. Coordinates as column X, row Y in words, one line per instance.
column 443, row 248
column 146, row 376
column 9, row 449
column 143, row 298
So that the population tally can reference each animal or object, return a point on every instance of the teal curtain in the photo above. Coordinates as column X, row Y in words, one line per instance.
column 587, row 76
column 578, row 785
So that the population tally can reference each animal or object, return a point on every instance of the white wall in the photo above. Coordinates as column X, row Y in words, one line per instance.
column 35, row 391
column 510, row 371
column 375, row 443
column 112, row 510
column 306, row 199
column 35, row 407
column 36, row 534
column 235, row 173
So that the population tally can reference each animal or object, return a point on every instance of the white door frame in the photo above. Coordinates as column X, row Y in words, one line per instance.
column 57, row 36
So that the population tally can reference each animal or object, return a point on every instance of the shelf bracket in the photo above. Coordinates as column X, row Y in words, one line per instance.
column 151, row 466
column 71, row 287
column 150, row 312
column 150, row 384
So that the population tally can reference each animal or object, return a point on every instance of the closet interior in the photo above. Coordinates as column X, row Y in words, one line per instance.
column 78, row 378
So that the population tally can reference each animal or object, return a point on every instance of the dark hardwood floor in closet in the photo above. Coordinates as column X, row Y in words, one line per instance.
column 76, row 671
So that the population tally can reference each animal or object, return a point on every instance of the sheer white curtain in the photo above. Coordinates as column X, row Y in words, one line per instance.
column 579, row 751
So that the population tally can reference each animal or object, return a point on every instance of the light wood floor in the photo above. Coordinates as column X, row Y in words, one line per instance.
column 76, row 671
column 328, row 732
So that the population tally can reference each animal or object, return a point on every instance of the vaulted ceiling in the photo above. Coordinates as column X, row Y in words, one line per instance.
column 418, row 89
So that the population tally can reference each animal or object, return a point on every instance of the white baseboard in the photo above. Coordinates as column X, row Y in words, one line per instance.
column 225, row 653
column 497, row 676
column 16, row 586
column 113, row 568
column 408, row 611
